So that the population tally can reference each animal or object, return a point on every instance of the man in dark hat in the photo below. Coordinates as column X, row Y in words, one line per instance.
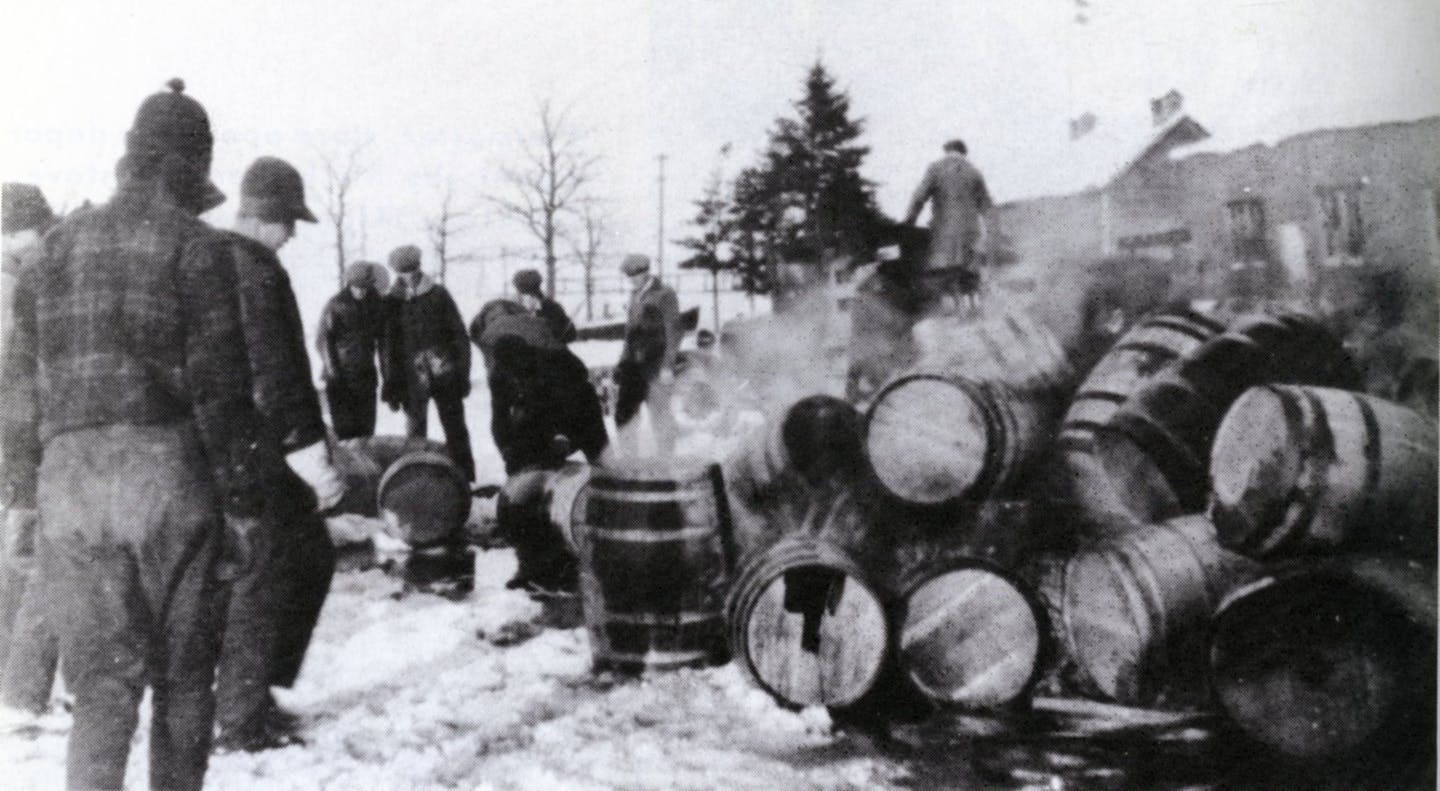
column 645, row 373
column 959, row 202
column 287, row 562
column 527, row 284
column 149, row 432
column 28, row 649
column 426, row 356
column 349, row 341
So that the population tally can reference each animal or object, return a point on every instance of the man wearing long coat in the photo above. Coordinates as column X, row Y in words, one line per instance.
column 958, row 201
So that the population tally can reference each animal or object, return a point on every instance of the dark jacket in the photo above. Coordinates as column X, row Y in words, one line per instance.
column 554, row 315
column 652, row 329
column 536, row 394
column 130, row 316
column 275, row 340
column 958, row 197
column 349, row 338
column 425, row 345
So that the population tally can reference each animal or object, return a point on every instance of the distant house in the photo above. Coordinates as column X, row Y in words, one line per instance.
column 1310, row 203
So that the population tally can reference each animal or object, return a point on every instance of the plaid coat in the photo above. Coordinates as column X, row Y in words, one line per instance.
column 130, row 316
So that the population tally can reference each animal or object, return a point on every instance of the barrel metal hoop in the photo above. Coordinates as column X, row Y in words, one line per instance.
column 661, row 619
column 648, row 536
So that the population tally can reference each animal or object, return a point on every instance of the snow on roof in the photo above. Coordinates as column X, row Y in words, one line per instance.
column 1099, row 157
column 1275, row 135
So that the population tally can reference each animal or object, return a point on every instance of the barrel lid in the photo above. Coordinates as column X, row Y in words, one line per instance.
column 927, row 438
column 1256, row 461
column 972, row 636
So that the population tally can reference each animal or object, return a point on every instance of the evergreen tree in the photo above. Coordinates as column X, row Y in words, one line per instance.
column 714, row 224
column 805, row 200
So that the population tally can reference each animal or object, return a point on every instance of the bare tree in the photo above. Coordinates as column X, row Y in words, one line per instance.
column 547, row 184
column 341, row 174
column 593, row 223
column 445, row 227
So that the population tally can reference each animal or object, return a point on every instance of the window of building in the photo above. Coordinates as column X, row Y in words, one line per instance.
column 1340, row 220
column 1247, row 229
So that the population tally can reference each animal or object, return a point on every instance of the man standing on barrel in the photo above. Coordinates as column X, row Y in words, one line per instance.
column 645, row 373
column 127, row 370
column 349, row 340
column 959, row 202
column 281, row 570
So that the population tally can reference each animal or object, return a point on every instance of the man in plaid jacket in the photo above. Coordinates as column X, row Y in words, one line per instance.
column 127, row 367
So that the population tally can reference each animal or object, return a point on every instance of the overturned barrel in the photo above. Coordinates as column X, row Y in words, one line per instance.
column 1085, row 490
column 1012, row 348
column 1300, row 470
column 424, row 498
column 1161, row 437
column 807, row 625
column 1332, row 662
column 972, row 636
column 654, row 564
column 776, row 474
column 933, row 440
column 361, row 461
column 1135, row 608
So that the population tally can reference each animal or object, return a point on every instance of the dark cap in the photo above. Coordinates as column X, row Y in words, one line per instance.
column 273, row 191
column 957, row 145
column 635, row 263
column 24, row 208
column 405, row 258
column 527, row 281
column 169, row 122
column 361, row 274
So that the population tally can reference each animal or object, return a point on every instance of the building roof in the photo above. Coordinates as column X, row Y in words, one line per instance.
column 1106, row 153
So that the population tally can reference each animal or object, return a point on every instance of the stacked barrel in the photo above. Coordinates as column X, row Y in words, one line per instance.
column 1211, row 519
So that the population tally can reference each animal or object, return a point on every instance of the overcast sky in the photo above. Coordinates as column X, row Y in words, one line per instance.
column 443, row 90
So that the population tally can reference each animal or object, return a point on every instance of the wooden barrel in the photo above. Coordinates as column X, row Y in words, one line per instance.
column 362, row 460
column 776, row 473
column 934, row 440
column 972, row 636
column 1135, row 608
column 424, row 498
column 565, row 499
column 1138, row 356
column 1299, row 470
column 1332, row 662
column 806, row 625
column 654, row 565
column 1013, row 348
column 1165, row 430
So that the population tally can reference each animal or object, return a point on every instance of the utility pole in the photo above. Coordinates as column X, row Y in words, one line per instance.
column 660, row 231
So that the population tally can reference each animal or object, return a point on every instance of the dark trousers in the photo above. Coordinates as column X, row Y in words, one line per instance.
column 31, row 650
column 637, row 389
column 352, row 408
column 451, row 409
column 272, row 611
column 523, row 519
column 131, row 525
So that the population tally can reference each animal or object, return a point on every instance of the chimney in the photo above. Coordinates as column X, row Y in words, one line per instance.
column 1166, row 107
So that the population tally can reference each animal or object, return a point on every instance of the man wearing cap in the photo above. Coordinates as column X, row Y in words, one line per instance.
column 959, row 202
column 127, row 367
column 426, row 356
column 645, row 373
column 285, row 565
column 28, row 648
column 349, row 340
column 527, row 284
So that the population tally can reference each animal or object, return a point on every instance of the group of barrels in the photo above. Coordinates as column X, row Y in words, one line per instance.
column 1221, row 521
column 1210, row 518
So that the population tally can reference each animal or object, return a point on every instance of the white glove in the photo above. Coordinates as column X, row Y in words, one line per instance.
column 312, row 464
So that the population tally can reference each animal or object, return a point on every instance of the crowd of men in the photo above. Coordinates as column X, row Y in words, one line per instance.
column 164, row 462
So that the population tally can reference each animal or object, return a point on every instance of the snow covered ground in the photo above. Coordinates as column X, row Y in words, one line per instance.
column 419, row 692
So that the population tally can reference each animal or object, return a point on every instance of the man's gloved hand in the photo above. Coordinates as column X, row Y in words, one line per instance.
column 239, row 546
column 312, row 464
column 667, row 376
